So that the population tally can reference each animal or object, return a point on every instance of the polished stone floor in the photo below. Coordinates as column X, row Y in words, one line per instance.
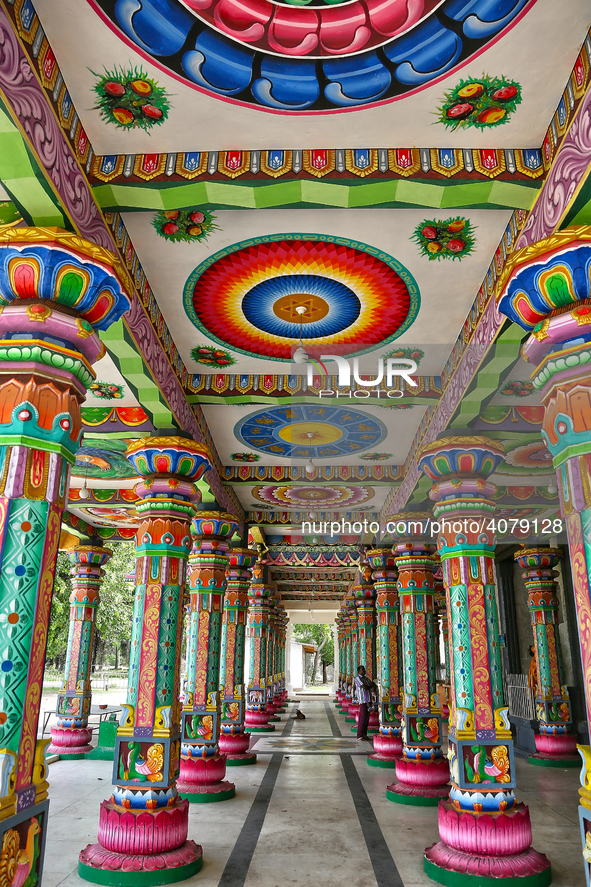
column 311, row 812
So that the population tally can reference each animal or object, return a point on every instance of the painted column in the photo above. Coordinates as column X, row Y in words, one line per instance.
column 555, row 742
column 340, row 660
column 288, row 639
column 350, row 619
column 71, row 737
column 143, row 827
column 234, row 740
column 388, row 742
column 257, row 715
column 547, row 291
column 57, row 291
column 355, row 663
column 365, row 596
column 485, row 834
column 281, row 628
column 336, row 642
column 270, row 660
column 442, row 632
column 422, row 771
column 203, row 768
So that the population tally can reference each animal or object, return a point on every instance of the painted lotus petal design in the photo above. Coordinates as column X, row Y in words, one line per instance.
column 219, row 45
column 246, row 296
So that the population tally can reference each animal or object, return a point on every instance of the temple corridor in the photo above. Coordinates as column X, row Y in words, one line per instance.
column 310, row 812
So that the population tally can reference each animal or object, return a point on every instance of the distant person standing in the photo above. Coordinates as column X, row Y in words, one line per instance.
column 363, row 688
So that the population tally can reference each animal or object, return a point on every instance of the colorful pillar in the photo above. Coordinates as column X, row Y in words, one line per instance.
column 143, row 827
column 282, row 620
column 203, row 768
column 547, row 291
column 555, row 742
column 441, row 633
column 348, row 618
column 365, row 596
column 71, row 737
column 422, row 771
column 257, row 715
column 485, row 834
column 57, row 291
column 353, row 707
column 339, row 659
column 234, row 740
column 387, row 742
column 271, row 656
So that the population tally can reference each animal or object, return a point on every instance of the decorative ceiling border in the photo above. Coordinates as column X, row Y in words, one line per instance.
column 380, row 474
column 236, row 388
column 340, row 164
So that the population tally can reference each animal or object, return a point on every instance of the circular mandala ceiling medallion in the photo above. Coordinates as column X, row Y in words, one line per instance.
column 283, row 431
column 305, row 497
column 297, row 56
column 246, row 296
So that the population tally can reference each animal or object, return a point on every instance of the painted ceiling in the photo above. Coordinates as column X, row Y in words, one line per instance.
column 371, row 164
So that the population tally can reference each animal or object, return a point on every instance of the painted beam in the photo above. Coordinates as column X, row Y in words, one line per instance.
column 386, row 193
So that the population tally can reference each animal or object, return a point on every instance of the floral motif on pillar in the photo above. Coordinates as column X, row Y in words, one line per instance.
column 546, row 289
column 203, row 768
column 422, row 771
column 257, row 714
column 555, row 740
column 143, row 827
column 234, row 740
column 485, row 833
column 57, row 292
column 387, row 742
column 72, row 737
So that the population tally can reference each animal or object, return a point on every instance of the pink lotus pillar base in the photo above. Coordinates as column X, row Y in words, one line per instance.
column 386, row 748
column 201, row 777
column 479, row 846
column 235, row 747
column 258, row 720
column 419, row 782
column 556, row 749
column 69, row 741
column 150, row 843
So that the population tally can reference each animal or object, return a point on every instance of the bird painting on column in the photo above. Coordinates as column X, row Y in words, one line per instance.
column 16, row 864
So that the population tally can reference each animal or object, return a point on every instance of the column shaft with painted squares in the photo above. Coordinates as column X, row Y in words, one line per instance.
column 485, row 833
column 556, row 743
column 234, row 740
column 257, row 714
column 422, row 772
column 203, row 768
column 71, row 737
column 57, row 292
column 388, row 741
column 145, row 817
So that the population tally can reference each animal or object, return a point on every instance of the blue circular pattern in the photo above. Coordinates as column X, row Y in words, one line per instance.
column 344, row 306
column 170, row 36
column 20, row 570
column 262, row 431
column 7, row 665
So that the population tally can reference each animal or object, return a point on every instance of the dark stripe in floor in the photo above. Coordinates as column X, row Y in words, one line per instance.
column 334, row 727
column 384, row 867
column 236, row 870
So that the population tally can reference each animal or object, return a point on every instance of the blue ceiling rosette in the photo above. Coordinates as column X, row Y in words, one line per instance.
column 306, row 57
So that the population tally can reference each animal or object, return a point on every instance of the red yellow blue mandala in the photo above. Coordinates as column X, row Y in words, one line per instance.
column 246, row 296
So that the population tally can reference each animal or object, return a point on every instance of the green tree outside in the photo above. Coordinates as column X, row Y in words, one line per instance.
column 115, row 610
column 321, row 636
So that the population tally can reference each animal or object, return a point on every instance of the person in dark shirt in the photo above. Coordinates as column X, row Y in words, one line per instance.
column 363, row 688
